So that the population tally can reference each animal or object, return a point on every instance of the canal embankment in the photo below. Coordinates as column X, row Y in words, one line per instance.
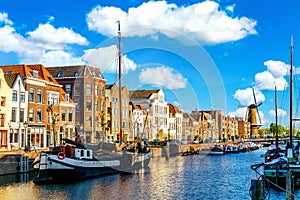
column 17, row 161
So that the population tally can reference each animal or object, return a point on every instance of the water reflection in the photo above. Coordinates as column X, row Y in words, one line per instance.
column 188, row 177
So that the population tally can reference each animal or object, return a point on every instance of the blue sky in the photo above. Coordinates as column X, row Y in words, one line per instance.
column 204, row 54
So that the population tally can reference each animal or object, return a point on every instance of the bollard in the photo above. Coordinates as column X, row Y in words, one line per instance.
column 257, row 190
column 289, row 185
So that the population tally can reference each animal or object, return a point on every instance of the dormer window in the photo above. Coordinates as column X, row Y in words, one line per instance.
column 9, row 72
column 60, row 74
column 35, row 73
column 67, row 97
column 76, row 74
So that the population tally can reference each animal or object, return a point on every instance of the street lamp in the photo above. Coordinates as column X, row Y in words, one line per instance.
column 25, row 125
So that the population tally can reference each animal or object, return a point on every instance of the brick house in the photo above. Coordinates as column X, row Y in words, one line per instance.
column 86, row 86
column 43, row 91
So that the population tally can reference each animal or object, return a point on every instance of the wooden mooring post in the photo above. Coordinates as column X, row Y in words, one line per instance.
column 257, row 187
column 292, row 174
column 289, row 185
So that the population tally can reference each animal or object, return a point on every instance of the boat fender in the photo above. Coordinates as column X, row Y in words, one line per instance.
column 61, row 155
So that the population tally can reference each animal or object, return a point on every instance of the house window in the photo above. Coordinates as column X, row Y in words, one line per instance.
column 60, row 74
column 39, row 116
column 89, row 121
column 31, row 115
column 52, row 98
column 67, row 97
column 22, row 96
column 31, row 95
column 96, row 90
column 68, row 88
column 70, row 115
column 22, row 115
column 102, row 105
column 3, row 101
column 88, row 89
column 77, row 89
column 63, row 114
column 89, row 105
column 13, row 114
column 39, row 96
column 15, row 96
column 96, row 105
column 102, row 91
column 2, row 120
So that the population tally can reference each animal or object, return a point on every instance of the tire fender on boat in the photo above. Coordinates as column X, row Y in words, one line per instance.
column 61, row 155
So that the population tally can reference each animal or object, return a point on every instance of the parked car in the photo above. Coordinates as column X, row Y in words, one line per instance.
column 183, row 141
column 190, row 141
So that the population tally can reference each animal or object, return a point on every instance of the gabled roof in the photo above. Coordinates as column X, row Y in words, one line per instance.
column 62, row 96
column 10, row 79
column 173, row 109
column 137, row 106
column 74, row 70
column 109, row 86
column 27, row 71
column 141, row 94
column 186, row 115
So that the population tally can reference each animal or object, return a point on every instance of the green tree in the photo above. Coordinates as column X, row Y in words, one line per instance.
column 281, row 130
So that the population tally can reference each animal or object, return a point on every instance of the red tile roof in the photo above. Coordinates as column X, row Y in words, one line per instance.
column 25, row 71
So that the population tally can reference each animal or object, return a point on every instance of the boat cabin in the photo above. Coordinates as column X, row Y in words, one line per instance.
column 83, row 153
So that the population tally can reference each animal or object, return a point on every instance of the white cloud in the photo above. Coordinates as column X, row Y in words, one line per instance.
column 280, row 113
column 4, row 19
column 246, row 98
column 277, row 68
column 106, row 59
column 46, row 33
column 274, row 75
column 204, row 22
column 240, row 112
column 55, row 58
column 162, row 76
column 266, row 81
column 230, row 8
column 39, row 45
column 9, row 40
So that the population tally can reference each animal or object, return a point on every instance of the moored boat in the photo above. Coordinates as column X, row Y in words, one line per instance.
column 73, row 162
column 231, row 149
column 215, row 150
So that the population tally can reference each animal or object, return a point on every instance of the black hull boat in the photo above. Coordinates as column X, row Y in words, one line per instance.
column 216, row 150
column 74, row 163
column 190, row 151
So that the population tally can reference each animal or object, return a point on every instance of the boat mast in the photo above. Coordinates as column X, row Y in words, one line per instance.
column 291, row 92
column 120, row 81
column 276, row 121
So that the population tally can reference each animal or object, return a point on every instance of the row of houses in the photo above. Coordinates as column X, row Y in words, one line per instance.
column 40, row 106
column 214, row 126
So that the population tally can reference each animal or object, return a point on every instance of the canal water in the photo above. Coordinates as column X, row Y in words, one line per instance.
column 183, row 177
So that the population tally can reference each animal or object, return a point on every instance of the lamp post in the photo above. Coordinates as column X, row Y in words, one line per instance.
column 25, row 125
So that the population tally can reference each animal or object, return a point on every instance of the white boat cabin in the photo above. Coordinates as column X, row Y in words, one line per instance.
column 83, row 153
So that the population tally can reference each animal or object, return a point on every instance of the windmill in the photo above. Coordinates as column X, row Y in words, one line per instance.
column 251, row 116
